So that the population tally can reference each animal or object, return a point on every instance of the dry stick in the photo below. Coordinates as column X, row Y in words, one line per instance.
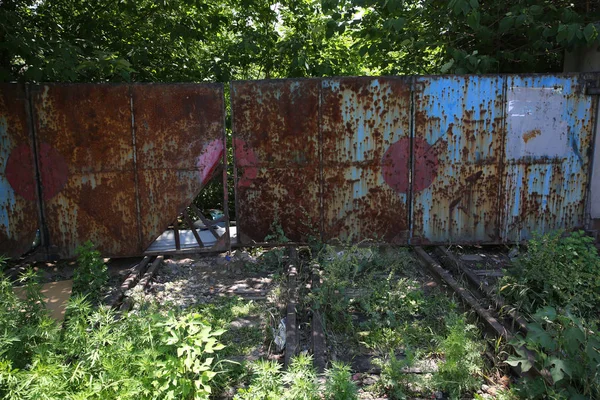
column 205, row 221
column 116, row 297
column 468, row 298
column 318, row 335
column 450, row 261
column 189, row 221
column 291, row 341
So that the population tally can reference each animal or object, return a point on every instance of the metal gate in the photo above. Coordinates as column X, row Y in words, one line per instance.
column 404, row 160
column 415, row 160
column 115, row 163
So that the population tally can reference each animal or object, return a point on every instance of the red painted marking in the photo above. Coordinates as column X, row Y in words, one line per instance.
column 20, row 171
column 209, row 160
column 246, row 159
column 396, row 160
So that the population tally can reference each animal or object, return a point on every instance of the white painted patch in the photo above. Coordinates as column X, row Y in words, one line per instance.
column 535, row 123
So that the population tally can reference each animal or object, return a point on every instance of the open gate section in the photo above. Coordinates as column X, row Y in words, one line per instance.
column 180, row 146
column 549, row 134
column 458, row 155
column 119, row 162
column 19, row 216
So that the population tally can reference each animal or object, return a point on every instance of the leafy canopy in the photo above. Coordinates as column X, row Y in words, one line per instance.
column 192, row 40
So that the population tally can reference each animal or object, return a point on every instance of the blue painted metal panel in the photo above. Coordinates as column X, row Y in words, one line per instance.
column 457, row 151
column 365, row 130
column 549, row 129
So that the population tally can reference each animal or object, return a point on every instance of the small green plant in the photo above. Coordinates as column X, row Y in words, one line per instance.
column 276, row 233
column 556, row 271
column 339, row 384
column 266, row 382
column 301, row 379
column 91, row 274
column 462, row 365
column 394, row 379
column 25, row 325
column 565, row 346
column 3, row 260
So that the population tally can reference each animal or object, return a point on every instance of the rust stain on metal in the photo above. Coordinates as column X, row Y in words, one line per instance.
column 449, row 159
column 18, row 199
column 527, row 136
column 180, row 142
column 366, row 152
column 545, row 182
column 459, row 119
column 86, row 164
column 276, row 157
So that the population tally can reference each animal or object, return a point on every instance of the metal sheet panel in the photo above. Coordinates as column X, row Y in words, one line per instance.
column 18, row 199
column 180, row 142
column 549, row 131
column 365, row 125
column 457, row 154
column 86, row 157
column 276, row 156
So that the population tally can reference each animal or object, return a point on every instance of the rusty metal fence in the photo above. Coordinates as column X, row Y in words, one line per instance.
column 413, row 160
column 403, row 160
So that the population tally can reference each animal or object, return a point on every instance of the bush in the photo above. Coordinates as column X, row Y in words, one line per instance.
column 462, row 364
column 394, row 380
column 556, row 271
column 97, row 356
column 299, row 382
column 339, row 384
column 91, row 275
column 565, row 346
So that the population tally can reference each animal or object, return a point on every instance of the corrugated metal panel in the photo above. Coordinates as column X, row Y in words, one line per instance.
column 457, row 153
column 549, row 130
column 365, row 125
column 276, row 153
column 85, row 149
column 180, row 142
column 18, row 199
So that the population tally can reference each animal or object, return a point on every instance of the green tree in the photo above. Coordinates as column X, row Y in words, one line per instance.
column 466, row 36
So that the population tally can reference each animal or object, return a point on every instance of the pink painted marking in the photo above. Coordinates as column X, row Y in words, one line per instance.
column 209, row 160
column 246, row 161
column 395, row 165
column 20, row 171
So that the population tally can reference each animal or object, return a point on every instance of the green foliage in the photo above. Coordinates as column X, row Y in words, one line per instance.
column 276, row 233
column 266, row 382
column 339, row 384
column 170, row 41
column 91, row 275
column 394, row 381
column 556, row 271
column 104, row 40
column 299, row 382
column 97, row 356
column 565, row 346
column 3, row 260
column 458, row 373
column 465, row 36
column 371, row 282
column 301, row 379
column 25, row 326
